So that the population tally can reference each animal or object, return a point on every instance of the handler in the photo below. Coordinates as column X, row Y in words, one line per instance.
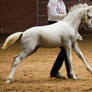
column 56, row 12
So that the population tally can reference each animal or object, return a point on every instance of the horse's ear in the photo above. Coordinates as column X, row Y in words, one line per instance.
column 85, row 4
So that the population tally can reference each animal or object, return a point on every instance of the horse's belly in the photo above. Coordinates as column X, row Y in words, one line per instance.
column 51, row 43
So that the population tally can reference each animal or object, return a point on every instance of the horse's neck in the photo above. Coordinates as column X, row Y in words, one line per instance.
column 74, row 19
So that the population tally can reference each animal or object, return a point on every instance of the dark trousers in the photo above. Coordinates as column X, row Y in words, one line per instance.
column 60, row 59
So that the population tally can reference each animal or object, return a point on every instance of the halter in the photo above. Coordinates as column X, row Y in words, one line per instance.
column 85, row 20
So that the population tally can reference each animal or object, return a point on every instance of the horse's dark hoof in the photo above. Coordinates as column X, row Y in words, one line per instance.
column 9, row 81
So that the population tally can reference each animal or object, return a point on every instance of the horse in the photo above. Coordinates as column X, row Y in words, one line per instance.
column 63, row 33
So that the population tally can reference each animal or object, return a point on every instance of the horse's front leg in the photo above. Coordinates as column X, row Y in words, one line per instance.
column 69, row 56
column 79, row 53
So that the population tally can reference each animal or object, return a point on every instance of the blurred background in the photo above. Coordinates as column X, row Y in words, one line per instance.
column 33, row 74
column 19, row 15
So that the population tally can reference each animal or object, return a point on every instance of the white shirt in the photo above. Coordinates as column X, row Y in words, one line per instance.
column 56, row 10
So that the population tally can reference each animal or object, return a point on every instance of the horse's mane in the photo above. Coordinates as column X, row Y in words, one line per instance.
column 78, row 6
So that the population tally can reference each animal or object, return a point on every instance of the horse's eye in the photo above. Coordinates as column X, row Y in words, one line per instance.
column 89, row 17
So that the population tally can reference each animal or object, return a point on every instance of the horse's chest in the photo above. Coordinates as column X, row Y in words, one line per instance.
column 70, row 37
column 74, row 38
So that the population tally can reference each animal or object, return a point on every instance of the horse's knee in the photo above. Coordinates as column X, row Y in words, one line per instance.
column 15, row 63
column 80, row 55
column 16, row 60
column 16, row 57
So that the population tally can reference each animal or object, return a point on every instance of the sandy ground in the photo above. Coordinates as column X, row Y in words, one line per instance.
column 32, row 75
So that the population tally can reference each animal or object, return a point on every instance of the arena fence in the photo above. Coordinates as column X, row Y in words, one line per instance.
column 41, row 9
column 21, row 14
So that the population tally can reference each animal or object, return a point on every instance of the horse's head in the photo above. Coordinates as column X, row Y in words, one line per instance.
column 87, row 19
column 78, row 12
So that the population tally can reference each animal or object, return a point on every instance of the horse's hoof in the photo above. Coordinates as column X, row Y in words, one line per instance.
column 9, row 81
column 76, row 77
column 89, row 69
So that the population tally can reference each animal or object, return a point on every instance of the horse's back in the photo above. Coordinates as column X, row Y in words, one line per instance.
column 46, row 36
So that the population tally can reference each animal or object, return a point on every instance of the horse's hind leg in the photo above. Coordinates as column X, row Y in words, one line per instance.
column 17, row 60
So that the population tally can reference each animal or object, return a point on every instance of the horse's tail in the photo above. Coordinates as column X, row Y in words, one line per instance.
column 11, row 39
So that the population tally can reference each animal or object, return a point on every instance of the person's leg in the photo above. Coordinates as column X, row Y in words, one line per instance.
column 51, row 22
column 58, row 63
column 66, row 62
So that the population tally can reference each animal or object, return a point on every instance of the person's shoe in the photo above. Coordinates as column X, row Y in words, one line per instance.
column 57, row 75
